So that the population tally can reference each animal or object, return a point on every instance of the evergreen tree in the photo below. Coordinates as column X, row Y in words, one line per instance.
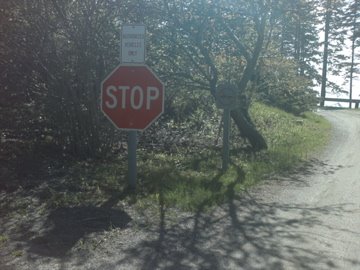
column 287, row 68
column 334, row 41
column 353, row 26
column 298, row 33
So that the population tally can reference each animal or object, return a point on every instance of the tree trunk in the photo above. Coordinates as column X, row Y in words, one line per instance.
column 247, row 129
column 353, row 47
column 326, row 54
column 241, row 116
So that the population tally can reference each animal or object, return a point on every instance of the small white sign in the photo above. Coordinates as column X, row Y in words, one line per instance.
column 133, row 44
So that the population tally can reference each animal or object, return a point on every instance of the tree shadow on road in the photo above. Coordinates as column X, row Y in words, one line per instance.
column 300, row 175
column 64, row 227
column 245, row 233
column 70, row 224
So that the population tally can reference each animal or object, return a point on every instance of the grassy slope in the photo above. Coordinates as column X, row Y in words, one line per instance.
column 193, row 181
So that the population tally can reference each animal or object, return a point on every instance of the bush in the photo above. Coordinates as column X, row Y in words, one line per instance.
column 278, row 84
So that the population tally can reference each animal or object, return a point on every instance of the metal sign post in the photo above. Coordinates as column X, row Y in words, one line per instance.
column 226, row 140
column 132, row 51
column 226, row 99
column 132, row 168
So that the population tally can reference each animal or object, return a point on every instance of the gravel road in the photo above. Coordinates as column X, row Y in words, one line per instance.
column 307, row 220
column 323, row 206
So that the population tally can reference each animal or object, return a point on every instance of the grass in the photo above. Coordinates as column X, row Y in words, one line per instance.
column 192, row 180
column 3, row 239
column 290, row 139
column 17, row 253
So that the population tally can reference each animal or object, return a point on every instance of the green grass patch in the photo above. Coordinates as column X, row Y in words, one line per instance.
column 17, row 253
column 3, row 239
column 290, row 139
column 87, row 183
column 192, row 179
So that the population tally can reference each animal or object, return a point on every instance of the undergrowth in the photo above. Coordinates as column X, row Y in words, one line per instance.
column 192, row 179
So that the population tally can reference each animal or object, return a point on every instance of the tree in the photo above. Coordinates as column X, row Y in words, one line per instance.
column 334, row 37
column 19, row 88
column 279, row 84
column 296, row 26
column 353, row 25
column 202, row 36
column 287, row 68
column 55, row 55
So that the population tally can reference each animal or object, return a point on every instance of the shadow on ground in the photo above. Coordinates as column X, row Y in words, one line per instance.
column 54, row 235
column 244, row 233
column 66, row 226
column 300, row 174
column 235, row 239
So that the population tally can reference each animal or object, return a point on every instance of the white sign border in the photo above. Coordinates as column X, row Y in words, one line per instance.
column 162, row 105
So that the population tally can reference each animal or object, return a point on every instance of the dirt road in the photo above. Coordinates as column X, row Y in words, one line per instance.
column 331, row 238
column 308, row 220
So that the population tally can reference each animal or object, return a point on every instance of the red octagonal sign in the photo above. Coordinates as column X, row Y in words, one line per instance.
column 132, row 97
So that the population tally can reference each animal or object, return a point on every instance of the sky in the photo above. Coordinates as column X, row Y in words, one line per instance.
column 340, row 81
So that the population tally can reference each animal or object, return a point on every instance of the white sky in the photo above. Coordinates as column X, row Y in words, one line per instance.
column 340, row 80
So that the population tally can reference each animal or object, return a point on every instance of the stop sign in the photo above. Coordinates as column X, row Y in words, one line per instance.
column 132, row 97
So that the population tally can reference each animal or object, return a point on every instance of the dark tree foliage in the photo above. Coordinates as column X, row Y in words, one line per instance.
column 54, row 55
column 209, row 42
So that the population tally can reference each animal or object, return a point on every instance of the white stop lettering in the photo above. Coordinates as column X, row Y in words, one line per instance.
column 137, row 96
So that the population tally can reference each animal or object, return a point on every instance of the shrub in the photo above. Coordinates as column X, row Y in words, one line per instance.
column 279, row 84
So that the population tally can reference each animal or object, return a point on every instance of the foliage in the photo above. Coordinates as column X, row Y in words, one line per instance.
column 49, row 63
column 296, row 35
column 352, row 24
column 192, row 180
column 334, row 37
column 280, row 86
column 54, row 54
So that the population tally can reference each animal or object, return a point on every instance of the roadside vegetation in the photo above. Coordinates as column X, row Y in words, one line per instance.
column 55, row 140
column 190, row 177
column 194, row 180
